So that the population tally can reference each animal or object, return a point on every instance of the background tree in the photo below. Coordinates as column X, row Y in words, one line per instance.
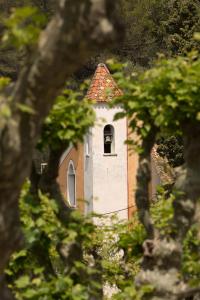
column 182, row 21
column 172, row 149
column 154, row 27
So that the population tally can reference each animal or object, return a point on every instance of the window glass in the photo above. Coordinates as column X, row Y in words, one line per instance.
column 71, row 184
column 87, row 146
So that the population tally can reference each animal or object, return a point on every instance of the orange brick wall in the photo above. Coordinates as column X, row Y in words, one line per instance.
column 77, row 156
column 132, row 165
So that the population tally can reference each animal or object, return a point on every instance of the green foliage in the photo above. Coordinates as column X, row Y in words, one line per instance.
column 144, row 32
column 130, row 292
column 180, row 25
column 23, row 27
column 25, row 108
column 158, row 26
column 161, row 100
column 152, row 26
column 5, row 111
column 164, row 98
column 162, row 212
column 4, row 81
column 191, row 257
column 68, row 121
column 41, row 270
column 171, row 148
column 119, row 247
column 37, row 271
column 11, row 58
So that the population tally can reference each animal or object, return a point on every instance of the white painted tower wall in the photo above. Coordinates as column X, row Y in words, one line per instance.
column 106, row 174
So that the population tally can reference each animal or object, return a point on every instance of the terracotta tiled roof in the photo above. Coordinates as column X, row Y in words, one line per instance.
column 103, row 87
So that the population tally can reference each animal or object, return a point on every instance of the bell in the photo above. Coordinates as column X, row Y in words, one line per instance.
column 108, row 139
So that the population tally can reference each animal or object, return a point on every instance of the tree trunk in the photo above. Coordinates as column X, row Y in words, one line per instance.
column 162, row 265
column 73, row 34
column 143, row 181
column 185, row 205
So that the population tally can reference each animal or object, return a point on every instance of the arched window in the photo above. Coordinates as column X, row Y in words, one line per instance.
column 87, row 146
column 71, row 184
column 109, row 141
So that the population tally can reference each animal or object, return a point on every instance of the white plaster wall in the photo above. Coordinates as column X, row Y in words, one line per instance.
column 108, row 173
column 88, row 172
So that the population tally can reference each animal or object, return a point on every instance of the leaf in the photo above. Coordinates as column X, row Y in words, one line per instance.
column 198, row 116
column 159, row 119
column 4, row 81
column 5, row 111
column 197, row 36
column 23, row 26
column 26, row 109
column 37, row 281
column 119, row 115
column 30, row 293
column 146, row 289
column 22, row 282
column 20, row 254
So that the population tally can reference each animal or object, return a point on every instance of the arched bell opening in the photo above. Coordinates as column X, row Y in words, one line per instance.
column 109, row 139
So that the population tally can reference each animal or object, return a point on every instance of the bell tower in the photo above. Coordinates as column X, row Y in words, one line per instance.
column 105, row 167
column 100, row 174
column 101, row 171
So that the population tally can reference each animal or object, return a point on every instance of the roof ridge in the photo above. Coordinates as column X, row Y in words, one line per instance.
column 102, row 65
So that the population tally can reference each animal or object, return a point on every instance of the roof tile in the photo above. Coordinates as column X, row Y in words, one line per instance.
column 103, row 86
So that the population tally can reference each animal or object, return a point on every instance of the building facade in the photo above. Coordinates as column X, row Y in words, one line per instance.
column 100, row 175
